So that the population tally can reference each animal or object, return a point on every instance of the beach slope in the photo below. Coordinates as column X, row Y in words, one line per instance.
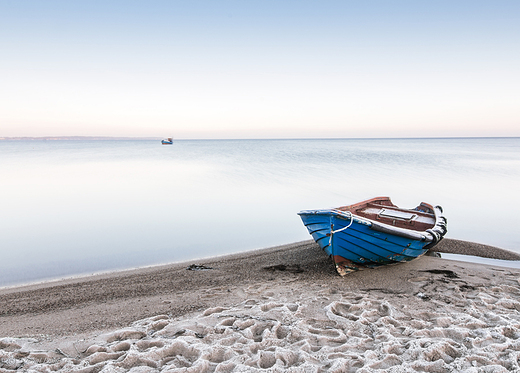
column 282, row 309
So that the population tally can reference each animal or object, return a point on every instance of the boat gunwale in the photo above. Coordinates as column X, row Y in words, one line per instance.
column 426, row 236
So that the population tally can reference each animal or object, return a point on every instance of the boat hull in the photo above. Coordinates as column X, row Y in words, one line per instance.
column 354, row 242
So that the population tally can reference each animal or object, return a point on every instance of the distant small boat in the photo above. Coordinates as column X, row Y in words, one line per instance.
column 167, row 141
column 375, row 232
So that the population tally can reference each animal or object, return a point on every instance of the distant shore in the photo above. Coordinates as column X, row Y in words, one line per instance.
column 77, row 138
column 292, row 282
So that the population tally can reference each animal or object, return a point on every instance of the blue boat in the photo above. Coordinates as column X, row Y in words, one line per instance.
column 167, row 141
column 375, row 232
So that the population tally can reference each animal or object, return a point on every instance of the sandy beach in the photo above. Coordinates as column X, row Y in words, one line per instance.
column 277, row 309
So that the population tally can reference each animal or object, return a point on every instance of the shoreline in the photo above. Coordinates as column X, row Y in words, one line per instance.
column 152, row 267
column 277, row 299
column 20, row 305
column 447, row 246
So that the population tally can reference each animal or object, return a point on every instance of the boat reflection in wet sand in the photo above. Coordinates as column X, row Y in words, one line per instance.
column 375, row 232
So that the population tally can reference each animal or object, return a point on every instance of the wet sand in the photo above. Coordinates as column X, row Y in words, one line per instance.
column 282, row 308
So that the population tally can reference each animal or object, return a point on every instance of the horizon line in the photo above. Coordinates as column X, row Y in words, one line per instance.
column 156, row 138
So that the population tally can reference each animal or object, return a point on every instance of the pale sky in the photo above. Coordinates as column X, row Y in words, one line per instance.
column 259, row 69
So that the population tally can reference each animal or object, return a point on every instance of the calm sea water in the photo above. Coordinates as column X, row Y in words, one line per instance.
column 76, row 207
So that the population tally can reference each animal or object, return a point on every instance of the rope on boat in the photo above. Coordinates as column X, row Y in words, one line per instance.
column 342, row 229
column 439, row 230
